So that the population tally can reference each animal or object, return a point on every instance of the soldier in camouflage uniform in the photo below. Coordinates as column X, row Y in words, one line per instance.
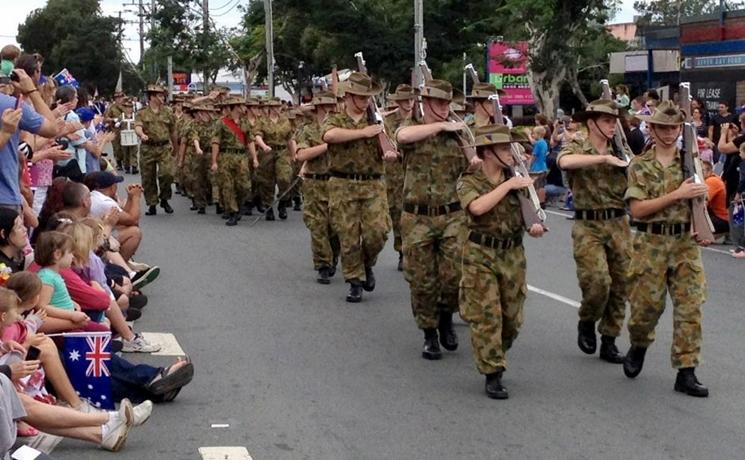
column 198, row 158
column 404, row 97
column 359, row 208
column 666, row 258
column 128, row 152
column 298, row 121
column 483, row 108
column 601, row 234
column 433, row 222
column 231, row 144
column 251, row 121
column 184, row 128
column 156, row 128
column 493, row 285
column 275, row 169
column 113, row 115
column 311, row 152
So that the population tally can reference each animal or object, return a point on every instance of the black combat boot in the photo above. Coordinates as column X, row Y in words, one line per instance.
column 493, row 386
column 586, row 339
column 201, row 211
column 332, row 269
column 608, row 350
column 194, row 206
column 219, row 209
column 431, row 349
column 269, row 214
column 232, row 220
column 355, row 292
column 259, row 206
column 448, row 338
column 151, row 211
column 225, row 215
column 634, row 361
column 282, row 210
column 135, row 170
column 400, row 261
column 323, row 276
column 166, row 207
column 686, row 382
column 297, row 203
column 369, row 284
column 248, row 208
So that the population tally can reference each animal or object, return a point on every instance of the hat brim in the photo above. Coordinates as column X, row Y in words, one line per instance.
column 401, row 97
column 376, row 89
column 650, row 120
column 500, row 93
column 582, row 117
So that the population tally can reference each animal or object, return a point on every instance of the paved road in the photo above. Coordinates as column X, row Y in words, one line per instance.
column 298, row 373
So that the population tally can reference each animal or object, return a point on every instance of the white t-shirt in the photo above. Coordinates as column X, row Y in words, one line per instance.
column 102, row 204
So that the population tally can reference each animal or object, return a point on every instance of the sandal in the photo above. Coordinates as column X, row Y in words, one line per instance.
column 26, row 431
column 171, row 378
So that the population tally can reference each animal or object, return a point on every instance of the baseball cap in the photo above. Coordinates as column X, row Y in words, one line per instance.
column 102, row 179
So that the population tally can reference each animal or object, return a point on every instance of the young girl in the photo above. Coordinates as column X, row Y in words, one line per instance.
column 493, row 285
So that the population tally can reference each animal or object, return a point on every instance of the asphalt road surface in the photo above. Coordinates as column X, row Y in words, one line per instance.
column 289, row 370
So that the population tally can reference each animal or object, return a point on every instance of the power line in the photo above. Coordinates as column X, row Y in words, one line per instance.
column 224, row 5
column 228, row 11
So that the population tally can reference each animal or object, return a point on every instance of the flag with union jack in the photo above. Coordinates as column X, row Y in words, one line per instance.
column 86, row 359
column 65, row 78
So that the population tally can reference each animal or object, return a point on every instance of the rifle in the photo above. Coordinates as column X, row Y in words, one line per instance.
column 700, row 220
column 619, row 143
column 530, row 208
column 373, row 113
column 465, row 137
column 472, row 73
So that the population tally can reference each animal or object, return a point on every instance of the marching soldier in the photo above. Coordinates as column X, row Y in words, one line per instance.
column 359, row 208
column 666, row 257
column 185, row 126
column 156, row 127
column 297, row 121
column 311, row 150
column 230, row 143
column 252, row 119
column 199, row 160
column 275, row 171
column 113, row 115
column 182, row 127
column 404, row 98
column 432, row 223
column 493, row 283
column 128, row 153
column 601, row 234
column 483, row 108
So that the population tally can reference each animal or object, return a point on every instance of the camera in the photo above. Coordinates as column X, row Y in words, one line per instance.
column 14, row 77
column 63, row 143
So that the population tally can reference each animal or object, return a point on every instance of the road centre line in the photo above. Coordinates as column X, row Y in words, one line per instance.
column 224, row 453
column 552, row 295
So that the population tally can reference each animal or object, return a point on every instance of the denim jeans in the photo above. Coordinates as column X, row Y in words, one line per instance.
column 128, row 380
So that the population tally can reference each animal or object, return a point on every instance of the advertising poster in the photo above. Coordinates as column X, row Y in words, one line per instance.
column 507, row 66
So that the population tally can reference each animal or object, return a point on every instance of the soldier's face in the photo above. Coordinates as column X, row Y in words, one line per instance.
column 499, row 155
column 666, row 135
column 605, row 124
column 406, row 105
column 439, row 108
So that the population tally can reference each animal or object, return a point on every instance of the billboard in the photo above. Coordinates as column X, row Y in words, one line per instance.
column 507, row 68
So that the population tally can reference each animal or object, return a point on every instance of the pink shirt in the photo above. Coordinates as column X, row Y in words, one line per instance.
column 41, row 173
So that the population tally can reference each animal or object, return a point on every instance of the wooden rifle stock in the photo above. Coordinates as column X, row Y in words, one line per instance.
column 373, row 114
column 619, row 143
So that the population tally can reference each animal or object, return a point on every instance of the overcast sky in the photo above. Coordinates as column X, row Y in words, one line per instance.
column 223, row 12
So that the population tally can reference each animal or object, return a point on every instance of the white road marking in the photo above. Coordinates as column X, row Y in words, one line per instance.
column 168, row 344
column 224, row 453
column 551, row 295
column 220, row 425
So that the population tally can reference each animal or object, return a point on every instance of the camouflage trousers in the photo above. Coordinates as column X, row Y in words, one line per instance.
column 297, row 189
column 359, row 215
column 128, row 156
column 156, row 170
column 433, row 249
column 667, row 265
column 492, row 294
column 324, row 243
column 275, row 171
column 601, row 252
column 233, row 179
column 394, row 184
column 199, row 178
column 116, row 146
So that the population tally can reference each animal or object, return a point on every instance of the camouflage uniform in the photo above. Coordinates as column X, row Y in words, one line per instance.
column 128, row 153
column 183, row 127
column 665, row 264
column 275, row 168
column 199, row 165
column 394, row 184
column 233, row 176
column 316, row 212
column 359, row 208
column 432, row 225
column 156, row 155
column 493, row 285
column 601, row 247
column 115, row 111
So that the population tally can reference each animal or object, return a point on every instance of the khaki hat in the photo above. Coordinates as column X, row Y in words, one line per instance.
column 361, row 85
column 222, row 89
column 253, row 102
column 273, row 102
column 438, row 89
column 667, row 114
column 155, row 88
column 459, row 103
column 323, row 98
column 484, row 90
column 597, row 108
column 492, row 135
column 178, row 97
column 127, row 103
column 403, row 92
column 119, row 94
column 231, row 101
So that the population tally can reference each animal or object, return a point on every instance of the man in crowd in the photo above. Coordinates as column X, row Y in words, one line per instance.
column 716, row 203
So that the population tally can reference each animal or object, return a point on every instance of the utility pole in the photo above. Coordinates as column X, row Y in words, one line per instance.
column 269, row 45
column 141, row 15
column 206, row 27
column 418, row 39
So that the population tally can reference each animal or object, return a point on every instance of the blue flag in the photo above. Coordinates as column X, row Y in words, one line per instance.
column 86, row 356
column 65, row 78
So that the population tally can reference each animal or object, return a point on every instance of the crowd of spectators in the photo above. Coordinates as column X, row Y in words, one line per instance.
column 67, row 247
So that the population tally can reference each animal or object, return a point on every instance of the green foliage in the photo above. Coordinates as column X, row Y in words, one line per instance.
column 669, row 12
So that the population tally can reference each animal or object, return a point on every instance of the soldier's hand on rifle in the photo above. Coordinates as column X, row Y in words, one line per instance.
column 255, row 163
column 213, row 168
column 452, row 127
column 615, row 161
column 372, row 130
column 390, row 156
column 266, row 148
column 518, row 182
column 536, row 230
column 144, row 138
column 689, row 190
column 199, row 151
column 699, row 241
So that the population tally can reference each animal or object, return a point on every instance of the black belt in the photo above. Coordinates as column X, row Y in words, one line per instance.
column 316, row 176
column 432, row 211
column 663, row 228
column 598, row 214
column 234, row 151
column 156, row 143
column 356, row 176
column 494, row 243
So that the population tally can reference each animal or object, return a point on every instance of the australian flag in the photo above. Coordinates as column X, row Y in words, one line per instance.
column 65, row 78
column 86, row 357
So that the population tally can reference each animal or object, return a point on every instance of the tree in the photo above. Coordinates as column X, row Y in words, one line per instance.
column 669, row 12
column 73, row 34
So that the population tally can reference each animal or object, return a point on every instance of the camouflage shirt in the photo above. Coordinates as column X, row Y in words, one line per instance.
column 357, row 157
column 594, row 187
column 157, row 126
column 114, row 111
column 648, row 179
column 504, row 220
column 432, row 168
column 310, row 136
column 275, row 134
column 203, row 132
column 226, row 139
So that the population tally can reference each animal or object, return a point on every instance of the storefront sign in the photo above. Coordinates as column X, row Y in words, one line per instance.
column 507, row 67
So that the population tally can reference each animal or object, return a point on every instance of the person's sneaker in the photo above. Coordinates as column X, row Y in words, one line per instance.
column 138, row 302
column 86, row 408
column 142, row 412
column 114, row 432
column 739, row 255
column 139, row 345
column 142, row 279
column 137, row 266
